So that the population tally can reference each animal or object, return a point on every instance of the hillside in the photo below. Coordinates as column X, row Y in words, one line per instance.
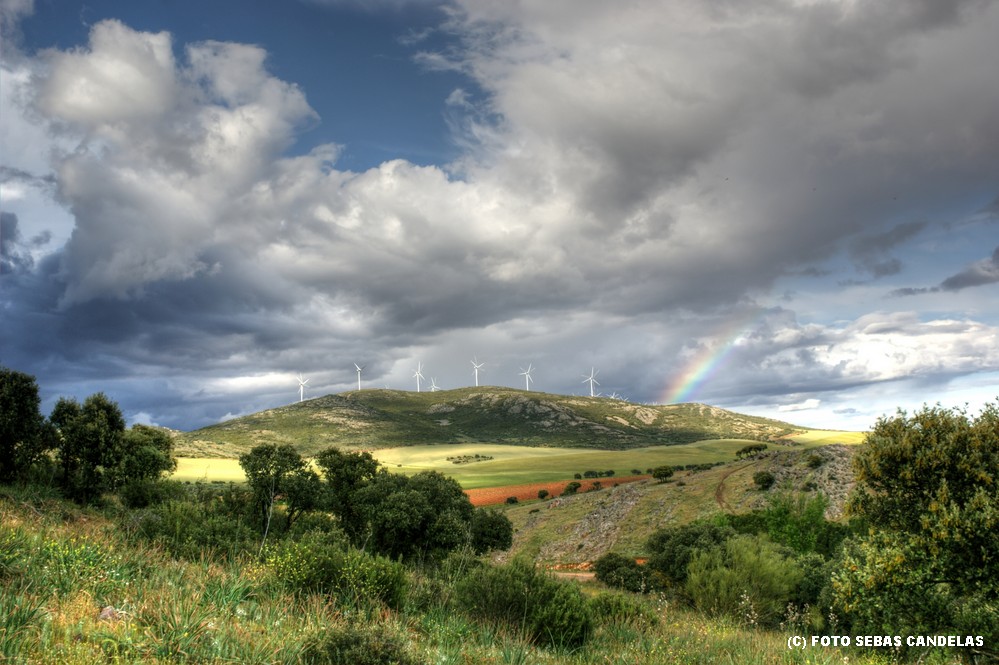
column 372, row 419
column 576, row 529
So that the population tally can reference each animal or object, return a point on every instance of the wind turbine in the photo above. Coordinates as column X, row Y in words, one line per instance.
column 301, row 388
column 591, row 379
column 433, row 385
column 477, row 367
column 359, row 375
column 526, row 373
column 418, row 374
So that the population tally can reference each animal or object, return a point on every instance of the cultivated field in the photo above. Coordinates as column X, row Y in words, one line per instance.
column 523, row 465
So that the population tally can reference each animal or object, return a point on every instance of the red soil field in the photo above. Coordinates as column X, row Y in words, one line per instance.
column 487, row 496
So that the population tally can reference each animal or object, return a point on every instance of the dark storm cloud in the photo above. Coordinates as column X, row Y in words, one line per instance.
column 631, row 174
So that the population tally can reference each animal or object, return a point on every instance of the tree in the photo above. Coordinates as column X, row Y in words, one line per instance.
column 764, row 480
column 571, row 488
column 345, row 473
column 662, row 473
column 928, row 486
column 90, row 444
column 23, row 437
column 490, row 530
column 146, row 453
column 542, row 493
column 273, row 470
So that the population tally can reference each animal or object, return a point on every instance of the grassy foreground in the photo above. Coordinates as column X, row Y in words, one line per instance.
column 61, row 565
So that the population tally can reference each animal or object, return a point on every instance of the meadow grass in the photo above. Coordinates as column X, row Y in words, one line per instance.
column 61, row 564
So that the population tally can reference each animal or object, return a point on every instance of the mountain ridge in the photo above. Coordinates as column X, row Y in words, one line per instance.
column 381, row 418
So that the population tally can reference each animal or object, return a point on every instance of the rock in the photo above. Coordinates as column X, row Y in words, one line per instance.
column 109, row 614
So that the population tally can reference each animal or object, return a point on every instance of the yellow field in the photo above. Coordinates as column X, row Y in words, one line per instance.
column 208, row 469
column 825, row 437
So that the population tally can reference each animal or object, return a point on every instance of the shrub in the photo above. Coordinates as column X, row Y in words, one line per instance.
column 621, row 572
column 814, row 461
column 356, row 577
column 662, row 473
column 187, row 529
column 621, row 608
column 571, row 488
column 548, row 611
column 748, row 577
column 511, row 500
column 764, row 480
column 542, row 494
column 673, row 548
column 359, row 646
column 490, row 530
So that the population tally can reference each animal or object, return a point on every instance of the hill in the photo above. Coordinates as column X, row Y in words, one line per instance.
column 570, row 530
column 372, row 419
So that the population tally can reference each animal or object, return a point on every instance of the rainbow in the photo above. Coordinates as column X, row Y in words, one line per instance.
column 708, row 361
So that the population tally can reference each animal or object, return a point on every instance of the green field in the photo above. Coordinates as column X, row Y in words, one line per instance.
column 514, row 465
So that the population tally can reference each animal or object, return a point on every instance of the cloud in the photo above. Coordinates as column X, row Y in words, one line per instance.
column 979, row 273
column 630, row 175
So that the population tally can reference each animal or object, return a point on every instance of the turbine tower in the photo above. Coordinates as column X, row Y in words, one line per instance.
column 301, row 388
column 359, row 374
column 526, row 373
column 418, row 374
column 591, row 379
column 476, row 367
column 433, row 385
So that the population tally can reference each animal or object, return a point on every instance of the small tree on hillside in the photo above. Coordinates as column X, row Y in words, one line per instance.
column 662, row 473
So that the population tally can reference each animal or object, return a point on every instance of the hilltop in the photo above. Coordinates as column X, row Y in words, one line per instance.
column 372, row 419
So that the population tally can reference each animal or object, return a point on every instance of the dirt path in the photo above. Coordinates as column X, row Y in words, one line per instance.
column 720, row 490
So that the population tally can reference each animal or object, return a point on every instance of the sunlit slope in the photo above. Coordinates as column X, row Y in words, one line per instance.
column 372, row 419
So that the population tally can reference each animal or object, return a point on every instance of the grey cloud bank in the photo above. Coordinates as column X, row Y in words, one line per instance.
column 638, row 189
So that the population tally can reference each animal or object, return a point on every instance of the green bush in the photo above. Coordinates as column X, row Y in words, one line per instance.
column 764, row 480
column 622, row 609
column 672, row 548
column 312, row 565
column 548, row 611
column 359, row 646
column 188, row 529
column 749, row 577
column 621, row 572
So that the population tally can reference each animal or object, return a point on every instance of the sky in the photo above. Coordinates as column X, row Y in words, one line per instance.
column 787, row 208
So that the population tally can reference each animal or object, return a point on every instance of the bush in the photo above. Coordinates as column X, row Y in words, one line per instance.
column 622, row 609
column 673, row 548
column 542, row 494
column 187, row 529
column 359, row 646
column 549, row 612
column 750, row 578
column 511, row 500
column 571, row 488
column 621, row 572
column 764, row 480
column 313, row 565
column 490, row 530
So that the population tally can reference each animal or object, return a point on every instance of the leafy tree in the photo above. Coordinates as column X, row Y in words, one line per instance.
column 345, row 473
column 427, row 515
column 90, row 444
column 490, row 530
column 146, row 453
column 622, row 572
column 662, row 473
column 273, row 470
column 749, row 451
column 571, row 488
column 927, row 485
column 542, row 493
column 23, row 435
